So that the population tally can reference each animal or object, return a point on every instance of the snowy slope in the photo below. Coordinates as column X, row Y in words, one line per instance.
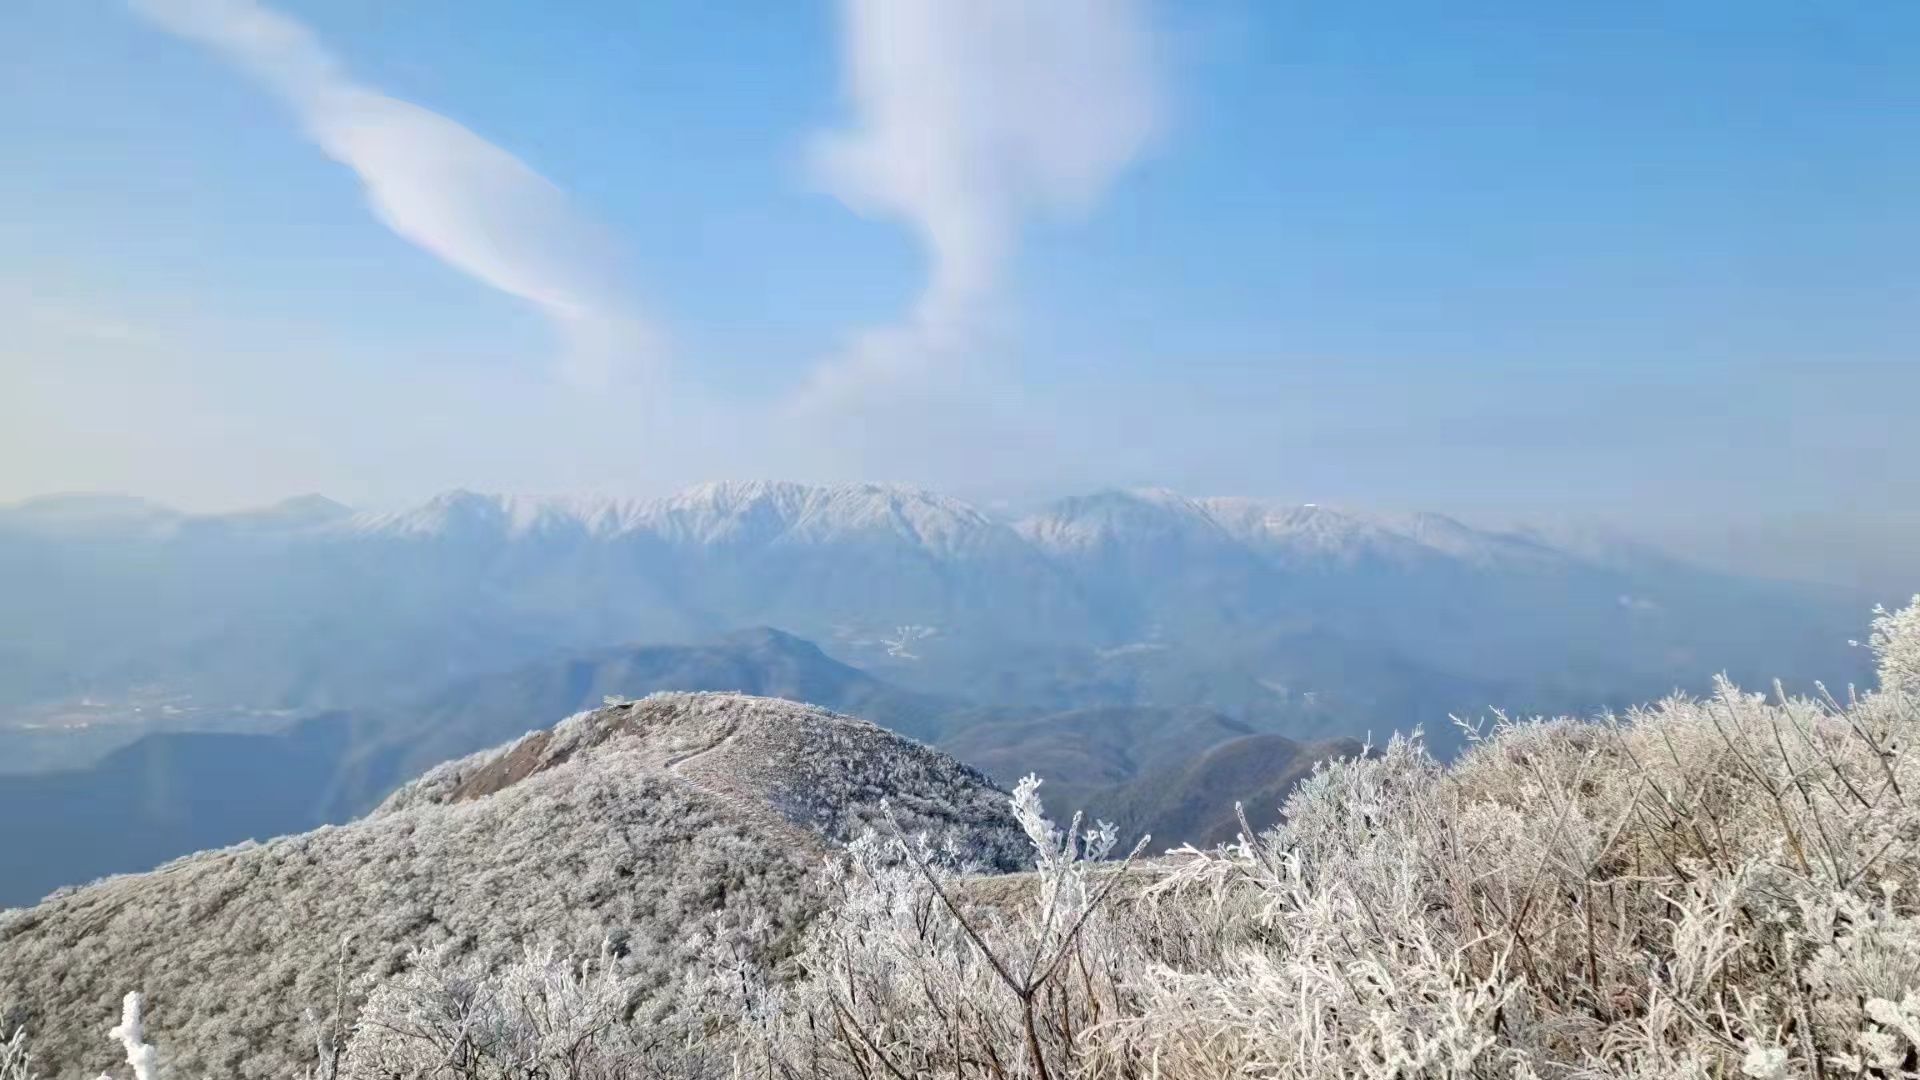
column 678, row 831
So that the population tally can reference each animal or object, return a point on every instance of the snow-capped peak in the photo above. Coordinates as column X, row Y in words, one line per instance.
column 730, row 513
column 1314, row 531
column 1086, row 521
column 765, row 513
column 472, row 514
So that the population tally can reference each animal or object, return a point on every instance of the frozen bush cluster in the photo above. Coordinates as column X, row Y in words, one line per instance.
column 907, row 974
column 16, row 1061
column 1727, row 887
column 541, row 1016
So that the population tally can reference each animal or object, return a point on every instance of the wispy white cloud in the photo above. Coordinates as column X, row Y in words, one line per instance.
column 443, row 188
column 969, row 117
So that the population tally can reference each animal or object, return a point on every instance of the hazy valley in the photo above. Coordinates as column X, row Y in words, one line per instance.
column 1155, row 657
column 1302, row 619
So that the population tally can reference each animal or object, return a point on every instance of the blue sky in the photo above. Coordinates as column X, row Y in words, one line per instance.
column 1499, row 258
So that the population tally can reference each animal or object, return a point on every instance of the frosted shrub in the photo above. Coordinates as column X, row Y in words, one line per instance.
column 131, row 1034
column 1896, row 645
column 16, row 1063
column 547, row 1016
column 541, row 1017
column 1718, row 887
column 904, row 975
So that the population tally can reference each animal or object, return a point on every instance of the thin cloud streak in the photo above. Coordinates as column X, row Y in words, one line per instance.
column 435, row 183
column 968, row 118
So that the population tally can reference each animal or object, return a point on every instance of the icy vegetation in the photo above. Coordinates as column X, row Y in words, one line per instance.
column 669, row 841
column 1716, row 887
column 1700, row 888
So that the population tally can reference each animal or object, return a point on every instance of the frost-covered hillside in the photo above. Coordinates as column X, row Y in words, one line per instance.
column 679, row 835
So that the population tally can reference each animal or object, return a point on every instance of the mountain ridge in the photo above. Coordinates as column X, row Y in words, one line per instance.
column 173, row 793
column 1145, row 598
column 716, row 510
column 675, row 834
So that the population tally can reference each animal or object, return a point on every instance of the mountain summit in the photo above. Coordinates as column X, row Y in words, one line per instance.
column 171, row 793
column 673, row 834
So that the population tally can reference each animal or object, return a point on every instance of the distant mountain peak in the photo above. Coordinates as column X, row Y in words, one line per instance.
column 447, row 512
column 461, row 512
column 300, row 511
column 314, row 504
column 722, row 494
column 82, row 510
column 1086, row 521
column 771, row 637
column 89, row 502
column 726, row 494
column 732, row 512
column 1316, row 531
column 762, row 513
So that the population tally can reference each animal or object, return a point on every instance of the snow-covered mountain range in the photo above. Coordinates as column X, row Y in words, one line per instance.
column 767, row 513
column 1307, row 619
